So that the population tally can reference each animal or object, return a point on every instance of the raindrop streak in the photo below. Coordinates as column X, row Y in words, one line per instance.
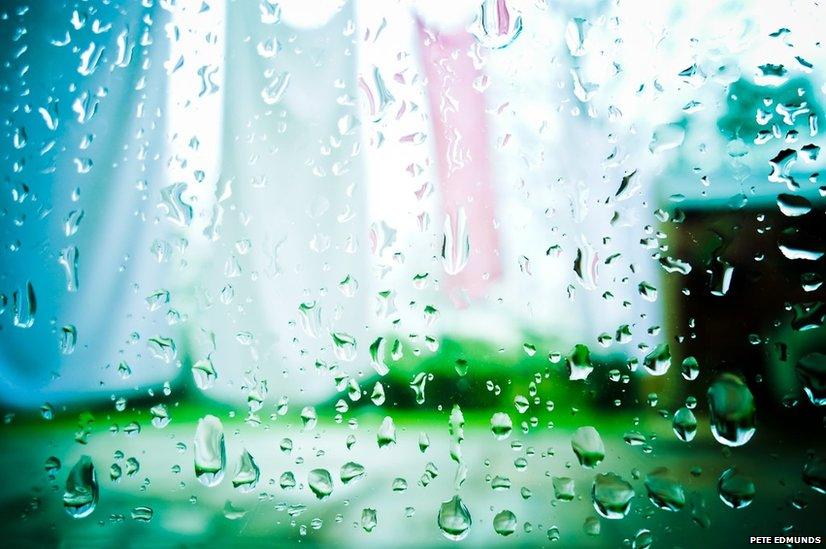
column 455, row 243
column 210, row 452
column 588, row 447
column 454, row 519
column 81, row 495
column 732, row 410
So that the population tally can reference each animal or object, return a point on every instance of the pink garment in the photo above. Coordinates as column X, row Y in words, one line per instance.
column 462, row 156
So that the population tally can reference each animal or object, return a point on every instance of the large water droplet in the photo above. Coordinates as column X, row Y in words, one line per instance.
column 369, row 519
column 504, row 523
column 588, row 446
column 81, row 495
column 501, row 425
column 351, row 471
column 377, row 356
column 454, row 519
column 732, row 410
column 612, row 496
column 792, row 205
column 246, row 476
column 684, row 424
column 320, row 482
column 496, row 26
column 344, row 346
column 387, row 432
column 579, row 363
column 24, row 306
column 735, row 489
column 664, row 491
column 204, row 374
column 576, row 36
column 658, row 361
column 210, row 452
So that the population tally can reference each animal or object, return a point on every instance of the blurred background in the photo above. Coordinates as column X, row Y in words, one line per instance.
column 399, row 272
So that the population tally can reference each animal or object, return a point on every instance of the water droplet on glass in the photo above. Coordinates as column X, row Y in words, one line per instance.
column 204, row 374
column 246, row 476
column 210, row 452
column 690, row 368
column 81, row 495
column 454, row 519
column 811, row 371
column 344, row 346
column 658, row 361
column 368, row 519
column 732, row 410
column 24, row 306
column 664, row 491
column 68, row 339
column 735, row 489
column 666, row 137
column 351, row 471
column 497, row 25
column 684, row 424
column 612, row 496
column 579, row 363
column 504, row 523
column 377, row 356
column 160, row 416
column 588, row 447
column 320, row 482
column 273, row 92
column 814, row 474
column 387, row 432
column 501, row 425
column 564, row 488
